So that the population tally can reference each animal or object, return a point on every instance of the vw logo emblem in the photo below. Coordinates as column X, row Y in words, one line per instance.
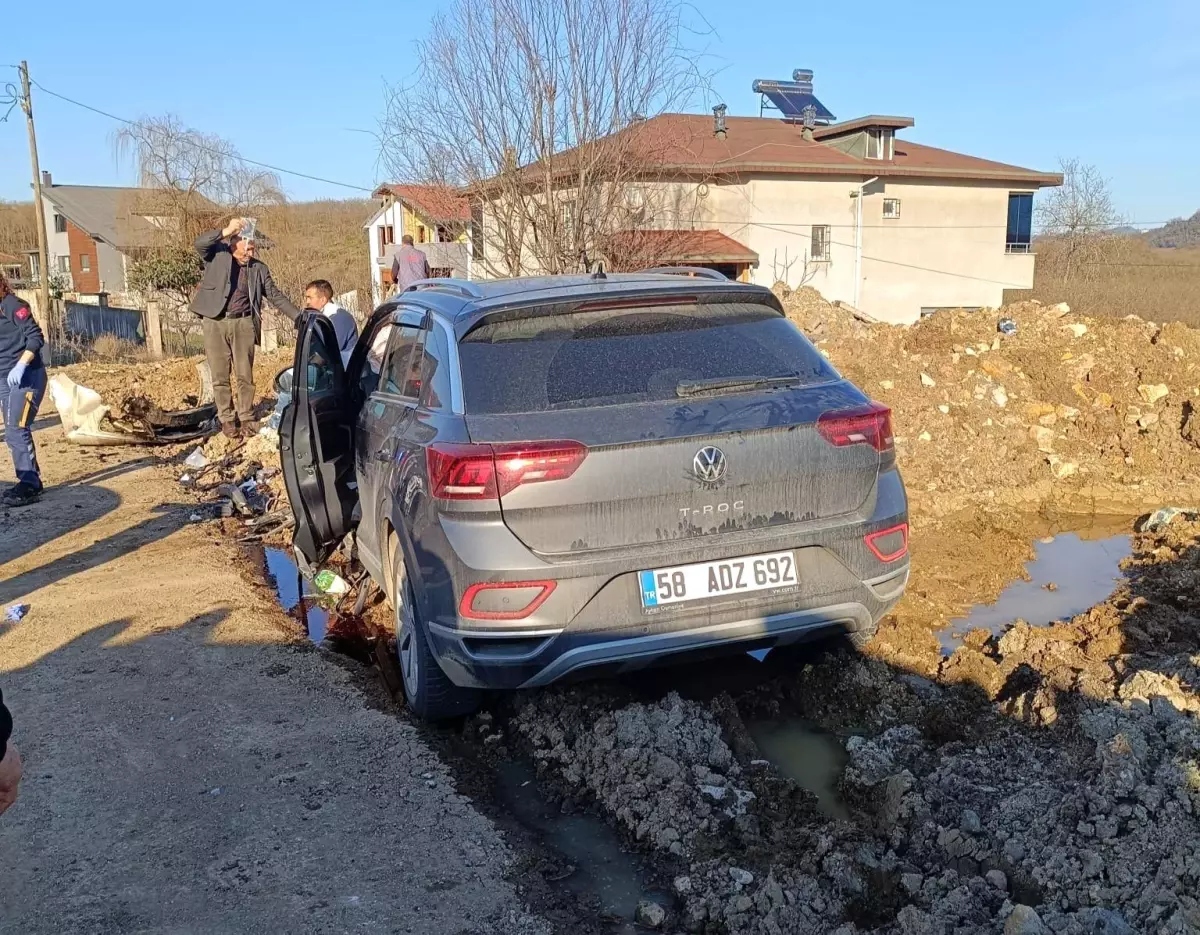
column 709, row 464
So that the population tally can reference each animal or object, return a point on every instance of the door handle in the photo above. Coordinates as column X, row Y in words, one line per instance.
column 386, row 451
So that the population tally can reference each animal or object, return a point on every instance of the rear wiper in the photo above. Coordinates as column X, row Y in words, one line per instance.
column 725, row 384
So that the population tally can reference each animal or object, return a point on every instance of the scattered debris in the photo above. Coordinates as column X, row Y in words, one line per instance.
column 1162, row 518
column 196, row 459
column 1006, row 326
column 328, row 582
column 15, row 612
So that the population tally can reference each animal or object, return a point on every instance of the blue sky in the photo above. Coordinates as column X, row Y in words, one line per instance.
column 1113, row 83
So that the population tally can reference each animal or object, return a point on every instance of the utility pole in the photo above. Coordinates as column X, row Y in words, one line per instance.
column 39, row 210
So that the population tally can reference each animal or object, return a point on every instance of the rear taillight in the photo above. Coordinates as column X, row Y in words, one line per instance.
column 487, row 472
column 888, row 544
column 866, row 425
column 509, row 600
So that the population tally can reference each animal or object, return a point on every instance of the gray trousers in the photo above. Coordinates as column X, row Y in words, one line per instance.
column 229, row 348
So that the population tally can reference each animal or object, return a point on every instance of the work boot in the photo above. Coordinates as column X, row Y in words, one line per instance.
column 229, row 430
column 250, row 427
column 22, row 494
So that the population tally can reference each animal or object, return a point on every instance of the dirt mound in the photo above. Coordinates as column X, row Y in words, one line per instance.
column 169, row 384
column 1085, row 413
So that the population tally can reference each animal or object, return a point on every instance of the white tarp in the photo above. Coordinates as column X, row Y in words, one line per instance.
column 82, row 411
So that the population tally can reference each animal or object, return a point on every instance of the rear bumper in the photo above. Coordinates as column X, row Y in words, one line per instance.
column 486, row 659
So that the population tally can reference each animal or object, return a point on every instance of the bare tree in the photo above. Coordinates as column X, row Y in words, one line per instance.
column 189, row 181
column 782, row 269
column 1078, row 221
column 539, row 109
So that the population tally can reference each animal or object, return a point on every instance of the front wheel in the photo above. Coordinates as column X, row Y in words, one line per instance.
column 429, row 693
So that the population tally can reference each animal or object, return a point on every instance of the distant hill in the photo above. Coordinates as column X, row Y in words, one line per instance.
column 1181, row 232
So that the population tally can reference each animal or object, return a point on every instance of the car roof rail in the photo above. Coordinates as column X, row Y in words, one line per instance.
column 702, row 271
column 463, row 287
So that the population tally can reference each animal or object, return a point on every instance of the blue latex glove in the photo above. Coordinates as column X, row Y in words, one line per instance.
column 14, row 375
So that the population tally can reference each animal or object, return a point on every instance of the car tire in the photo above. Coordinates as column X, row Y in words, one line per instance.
column 860, row 638
column 428, row 692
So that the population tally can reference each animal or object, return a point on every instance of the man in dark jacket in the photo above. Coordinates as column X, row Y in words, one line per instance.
column 229, row 299
column 10, row 761
column 22, row 386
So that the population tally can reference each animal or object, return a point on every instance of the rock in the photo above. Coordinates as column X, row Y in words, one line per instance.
column 1153, row 392
column 944, row 409
column 996, row 343
column 682, row 885
column 996, row 367
column 1000, row 397
column 1014, row 850
column 1097, row 921
column 1070, row 413
column 998, row 880
column 650, row 914
column 1063, row 469
column 1024, row 921
column 911, row 883
column 925, row 437
column 1058, row 311
column 1043, row 436
column 1146, row 420
column 914, row 921
column 969, row 822
column 927, row 380
column 1102, row 401
column 887, row 384
column 1078, row 328
column 741, row 877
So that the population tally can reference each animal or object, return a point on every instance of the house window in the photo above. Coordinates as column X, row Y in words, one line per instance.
column 64, row 264
column 1020, row 222
column 820, row 242
column 880, row 142
column 421, row 233
column 891, row 207
column 443, row 235
column 60, row 224
column 85, row 263
column 387, row 236
column 476, row 231
column 568, row 222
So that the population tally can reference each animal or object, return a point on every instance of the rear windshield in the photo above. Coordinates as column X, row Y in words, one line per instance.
column 629, row 355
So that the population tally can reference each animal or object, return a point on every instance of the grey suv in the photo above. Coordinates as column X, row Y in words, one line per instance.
column 555, row 474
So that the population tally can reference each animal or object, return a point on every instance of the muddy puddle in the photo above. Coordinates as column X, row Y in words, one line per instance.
column 1072, row 571
column 597, row 867
column 814, row 759
column 296, row 595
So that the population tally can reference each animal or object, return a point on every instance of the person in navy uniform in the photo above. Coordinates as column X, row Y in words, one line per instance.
column 22, row 386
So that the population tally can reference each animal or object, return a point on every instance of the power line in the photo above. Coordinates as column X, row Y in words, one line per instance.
column 202, row 148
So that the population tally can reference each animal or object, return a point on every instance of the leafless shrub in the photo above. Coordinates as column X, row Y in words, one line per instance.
column 1077, row 221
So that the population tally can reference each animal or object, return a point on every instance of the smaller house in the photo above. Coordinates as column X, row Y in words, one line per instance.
column 437, row 217
column 12, row 267
column 94, row 232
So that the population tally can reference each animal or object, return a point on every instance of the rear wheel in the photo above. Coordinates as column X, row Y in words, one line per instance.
column 430, row 695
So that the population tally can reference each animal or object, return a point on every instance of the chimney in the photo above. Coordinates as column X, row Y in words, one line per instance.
column 719, row 130
column 46, row 180
column 807, row 134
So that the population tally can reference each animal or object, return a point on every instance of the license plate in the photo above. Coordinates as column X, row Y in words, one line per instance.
column 717, row 579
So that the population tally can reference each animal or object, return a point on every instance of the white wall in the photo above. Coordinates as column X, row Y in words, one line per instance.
column 56, row 244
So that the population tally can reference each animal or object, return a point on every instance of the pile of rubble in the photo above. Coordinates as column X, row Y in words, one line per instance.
column 1083, row 413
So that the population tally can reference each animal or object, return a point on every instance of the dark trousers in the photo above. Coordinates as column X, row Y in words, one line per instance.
column 19, row 406
column 229, row 348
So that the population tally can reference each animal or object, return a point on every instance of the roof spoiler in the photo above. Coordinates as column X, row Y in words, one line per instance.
column 463, row 287
column 701, row 271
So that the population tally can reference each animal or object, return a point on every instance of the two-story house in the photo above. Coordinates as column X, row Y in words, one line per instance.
column 438, row 219
column 892, row 227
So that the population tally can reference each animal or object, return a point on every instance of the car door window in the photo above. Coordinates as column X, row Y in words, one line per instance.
column 399, row 378
column 320, row 370
column 372, row 367
column 435, row 371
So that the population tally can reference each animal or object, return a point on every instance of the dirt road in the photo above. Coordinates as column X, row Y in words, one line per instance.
column 191, row 766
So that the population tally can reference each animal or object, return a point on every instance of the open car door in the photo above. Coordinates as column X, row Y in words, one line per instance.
column 316, row 445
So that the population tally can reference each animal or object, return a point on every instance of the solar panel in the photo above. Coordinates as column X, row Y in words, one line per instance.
column 791, row 97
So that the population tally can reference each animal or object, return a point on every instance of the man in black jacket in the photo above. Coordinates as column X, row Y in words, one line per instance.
column 229, row 299
column 10, row 761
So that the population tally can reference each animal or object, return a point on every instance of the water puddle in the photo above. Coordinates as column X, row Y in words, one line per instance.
column 1070, row 573
column 814, row 759
column 296, row 594
column 600, row 866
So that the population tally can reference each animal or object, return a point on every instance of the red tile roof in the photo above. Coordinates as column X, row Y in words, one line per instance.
column 764, row 144
column 433, row 202
column 682, row 246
